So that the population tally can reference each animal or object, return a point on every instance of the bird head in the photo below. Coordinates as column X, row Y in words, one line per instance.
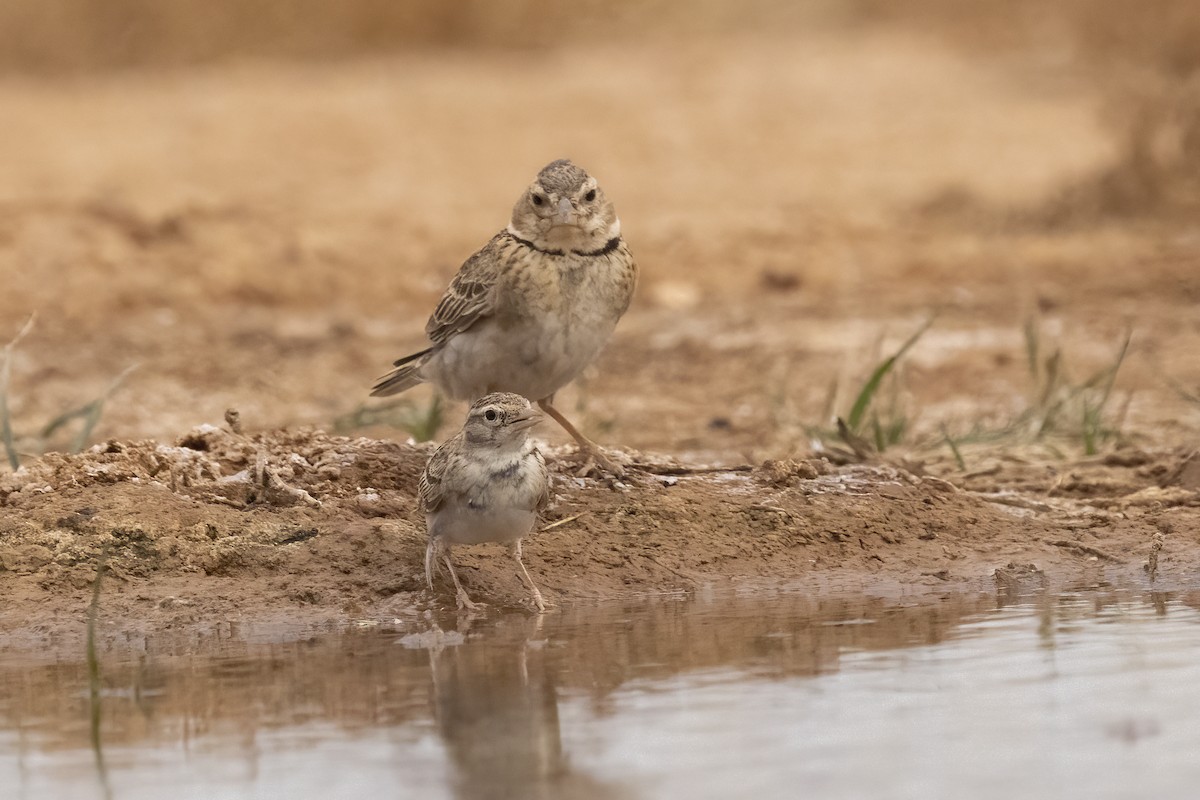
column 565, row 209
column 501, row 420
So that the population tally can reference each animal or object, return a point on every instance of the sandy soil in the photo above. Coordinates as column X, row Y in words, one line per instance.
column 268, row 237
column 308, row 526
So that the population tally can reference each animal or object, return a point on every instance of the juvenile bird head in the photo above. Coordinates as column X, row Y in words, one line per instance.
column 565, row 209
column 500, row 420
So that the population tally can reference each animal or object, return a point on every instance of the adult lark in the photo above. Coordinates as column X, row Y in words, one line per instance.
column 531, row 309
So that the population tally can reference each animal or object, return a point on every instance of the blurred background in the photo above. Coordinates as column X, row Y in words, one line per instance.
column 259, row 202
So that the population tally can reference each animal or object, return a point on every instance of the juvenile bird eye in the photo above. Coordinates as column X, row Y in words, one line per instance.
column 489, row 415
column 537, row 200
column 590, row 196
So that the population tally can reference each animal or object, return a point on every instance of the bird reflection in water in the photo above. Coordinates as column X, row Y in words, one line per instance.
column 496, row 707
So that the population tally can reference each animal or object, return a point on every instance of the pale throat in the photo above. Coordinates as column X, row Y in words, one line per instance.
column 505, row 450
column 569, row 237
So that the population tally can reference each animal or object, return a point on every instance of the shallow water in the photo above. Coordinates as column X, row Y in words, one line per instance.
column 1088, row 694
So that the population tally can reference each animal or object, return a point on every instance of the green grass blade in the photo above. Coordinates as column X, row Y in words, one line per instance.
column 1116, row 366
column 6, row 433
column 90, row 413
column 1031, row 347
column 1053, row 371
column 424, row 426
column 65, row 418
column 1183, row 392
column 827, row 410
column 422, row 423
column 1091, row 428
column 89, row 423
column 958, row 458
column 867, row 393
column 877, row 434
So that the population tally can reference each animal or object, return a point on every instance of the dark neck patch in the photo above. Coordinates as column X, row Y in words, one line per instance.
column 531, row 245
column 507, row 471
column 609, row 246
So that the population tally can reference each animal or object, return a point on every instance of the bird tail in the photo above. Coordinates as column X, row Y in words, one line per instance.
column 407, row 374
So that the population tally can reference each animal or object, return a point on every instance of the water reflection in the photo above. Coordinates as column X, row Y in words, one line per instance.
column 548, row 707
column 496, row 707
column 95, row 705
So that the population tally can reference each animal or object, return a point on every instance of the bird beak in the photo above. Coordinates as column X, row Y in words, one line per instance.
column 525, row 419
column 566, row 212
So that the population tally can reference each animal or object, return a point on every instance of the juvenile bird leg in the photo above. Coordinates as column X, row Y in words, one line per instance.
column 514, row 550
column 596, row 459
column 460, row 597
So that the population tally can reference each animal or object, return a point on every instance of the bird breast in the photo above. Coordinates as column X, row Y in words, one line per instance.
column 553, row 314
column 495, row 499
column 571, row 303
column 462, row 524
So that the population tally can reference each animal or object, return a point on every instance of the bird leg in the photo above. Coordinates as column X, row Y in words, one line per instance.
column 460, row 597
column 596, row 459
column 514, row 550
column 433, row 549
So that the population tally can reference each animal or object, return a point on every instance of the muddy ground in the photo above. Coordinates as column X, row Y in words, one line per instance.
column 267, row 236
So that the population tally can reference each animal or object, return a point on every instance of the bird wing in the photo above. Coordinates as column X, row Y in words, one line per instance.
column 431, row 490
column 543, row 500
column 471, row 296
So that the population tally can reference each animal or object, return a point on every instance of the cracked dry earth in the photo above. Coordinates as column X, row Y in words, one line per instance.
column 306, row 527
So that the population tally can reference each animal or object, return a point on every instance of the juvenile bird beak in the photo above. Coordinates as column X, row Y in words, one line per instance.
column 525, row 419
column 566, row 213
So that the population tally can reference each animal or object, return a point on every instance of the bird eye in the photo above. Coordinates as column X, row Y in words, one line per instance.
column 590, row 196
column 537, row 200
column 490, row 415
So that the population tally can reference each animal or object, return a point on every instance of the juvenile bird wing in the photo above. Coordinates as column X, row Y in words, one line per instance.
column 471, row 296
column 431, row 490
column 543, row 500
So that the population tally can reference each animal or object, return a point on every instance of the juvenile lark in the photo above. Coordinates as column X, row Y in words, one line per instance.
column 531, row 309
column 487, row 484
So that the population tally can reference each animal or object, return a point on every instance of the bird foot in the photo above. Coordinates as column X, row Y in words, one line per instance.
column 538, row 602
column 596, row 464
column 465, row 603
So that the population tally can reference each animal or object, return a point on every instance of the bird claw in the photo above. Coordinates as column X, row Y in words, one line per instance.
column 598, row 465
column 465, row 603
